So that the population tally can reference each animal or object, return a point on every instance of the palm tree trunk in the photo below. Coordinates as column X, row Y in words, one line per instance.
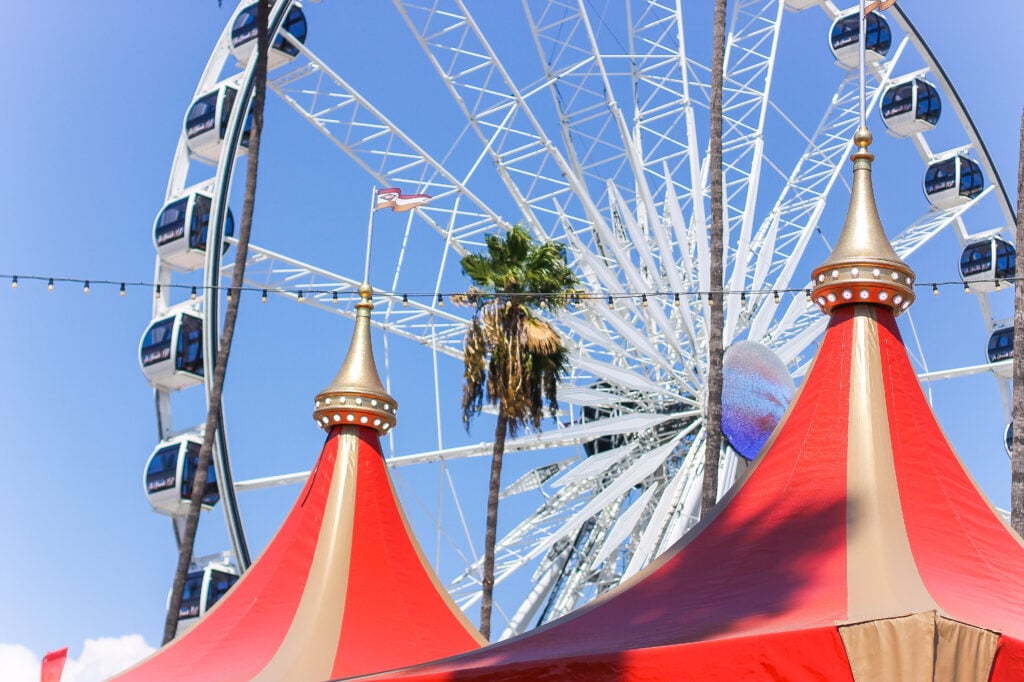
column 491, row 534
column 188, row 535
column 1017, row 456
column 713, row 411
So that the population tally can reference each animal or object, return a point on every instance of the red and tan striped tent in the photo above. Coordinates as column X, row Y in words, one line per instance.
column 857, row 548
column 343, row 588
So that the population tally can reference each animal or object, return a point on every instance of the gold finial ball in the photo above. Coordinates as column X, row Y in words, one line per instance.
column 863, row 137
column 365, row 291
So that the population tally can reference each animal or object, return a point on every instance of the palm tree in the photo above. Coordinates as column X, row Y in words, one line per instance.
column 513, row 359
column 188, row 535
column 713, row 431
column 1017, row 456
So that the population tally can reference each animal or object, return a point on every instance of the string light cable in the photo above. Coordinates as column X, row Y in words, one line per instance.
column 472, row 298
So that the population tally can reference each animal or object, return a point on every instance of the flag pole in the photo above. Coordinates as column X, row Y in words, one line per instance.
column 369, row 234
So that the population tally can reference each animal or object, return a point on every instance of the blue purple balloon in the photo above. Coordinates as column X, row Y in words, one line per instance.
column 756, row 389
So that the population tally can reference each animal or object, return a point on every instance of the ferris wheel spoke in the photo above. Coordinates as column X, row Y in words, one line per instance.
column 671, row 503
column 383, row 150
column 529, row 163
column 749, row 54
column 325, row 290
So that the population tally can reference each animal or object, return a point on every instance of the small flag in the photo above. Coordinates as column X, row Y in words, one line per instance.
column 392, row 197
column 880, row 5
column 53, row 665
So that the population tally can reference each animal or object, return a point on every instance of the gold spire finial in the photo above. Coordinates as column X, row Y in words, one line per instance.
column 863, row 267
column 357, row 396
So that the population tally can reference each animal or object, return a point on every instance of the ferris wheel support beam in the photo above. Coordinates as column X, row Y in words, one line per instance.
column 381, row 148
column 424, row 324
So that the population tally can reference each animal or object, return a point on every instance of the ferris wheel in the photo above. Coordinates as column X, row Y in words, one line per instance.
column 589, row 127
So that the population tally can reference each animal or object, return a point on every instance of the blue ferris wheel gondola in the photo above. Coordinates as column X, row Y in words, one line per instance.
column 1000, row 349
column 206, row 123
column 953, row 181
column 205, row 584
column 169, row 474
column 171, row 351
column 180, row 231
column 910, row 106
column 986, row 261
column 844, row 39
column 243, row 36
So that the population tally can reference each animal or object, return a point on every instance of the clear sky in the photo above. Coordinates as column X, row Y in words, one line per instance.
column 96, row 93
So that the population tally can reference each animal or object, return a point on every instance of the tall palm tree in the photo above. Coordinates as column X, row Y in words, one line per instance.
column 513, row 359
column 188, row 535
column 1017, row 455
column 713, row 431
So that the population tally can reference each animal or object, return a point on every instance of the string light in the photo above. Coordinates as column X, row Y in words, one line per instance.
column 263, row 296
column 577, row 297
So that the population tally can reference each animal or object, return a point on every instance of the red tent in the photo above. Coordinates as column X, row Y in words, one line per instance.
column 343, row 588
column 857, row 548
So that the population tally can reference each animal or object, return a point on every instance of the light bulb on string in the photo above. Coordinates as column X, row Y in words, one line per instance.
column 967, row 288
column 998, row 284
column 156, row 294
column 807, row 295
column 643, row 300
column 300, row 298
column 121, row 292
column 711, row 300
column 405, row 300
column 14, row 282
column 675, row 299
column 743, row 298
column 775, row 295
column 263, row 296
column 85, row 287
column 49, row 285
column 334, row 297
column 193, row 295
column 935, row 290
column 440, row 301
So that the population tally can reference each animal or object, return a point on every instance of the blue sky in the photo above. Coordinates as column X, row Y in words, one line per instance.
column 96, row 95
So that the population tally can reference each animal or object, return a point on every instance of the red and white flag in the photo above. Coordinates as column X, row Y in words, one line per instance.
column 392, row 197
column 53, row 665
